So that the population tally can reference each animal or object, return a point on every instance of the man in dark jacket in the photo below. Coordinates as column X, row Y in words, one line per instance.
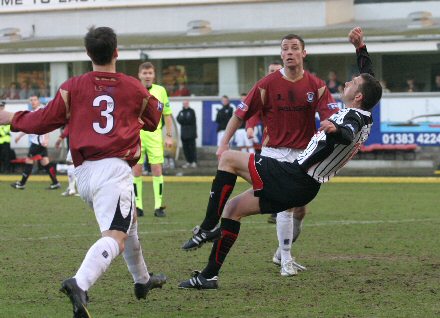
column 223, row 116
column 188, row 134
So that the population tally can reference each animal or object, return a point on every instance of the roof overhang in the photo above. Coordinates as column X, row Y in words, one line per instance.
column 226, row 51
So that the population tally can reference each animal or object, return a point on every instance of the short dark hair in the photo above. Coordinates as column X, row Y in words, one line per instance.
column 275, row 63
column 292, row 36
column 371, row 91
column 101, row 44
column 146, row 66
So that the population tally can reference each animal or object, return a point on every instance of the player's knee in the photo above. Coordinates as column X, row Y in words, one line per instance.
column 231, row 211
column 156, row 169
column 299, row 212
column 137, row 170
column 121, row 245
column 226, row 160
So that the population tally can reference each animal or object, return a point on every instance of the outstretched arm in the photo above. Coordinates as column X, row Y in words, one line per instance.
column 356, row 37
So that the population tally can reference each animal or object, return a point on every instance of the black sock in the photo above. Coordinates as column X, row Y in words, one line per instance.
column 221, row 189
column 50, row 169
column 27, row 171
column 135, row 189
column 220, row 248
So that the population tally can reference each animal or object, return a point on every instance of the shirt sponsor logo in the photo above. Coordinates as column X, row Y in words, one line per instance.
column 310, row 97
column 293, row 108
column 242, row 106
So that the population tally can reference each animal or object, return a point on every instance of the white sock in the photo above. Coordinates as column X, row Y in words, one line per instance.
column 284, row 233
column 71, row 177
column 134, row 258
column 96, row 262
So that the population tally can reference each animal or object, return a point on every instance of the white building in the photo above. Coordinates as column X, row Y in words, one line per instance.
column 215, row 47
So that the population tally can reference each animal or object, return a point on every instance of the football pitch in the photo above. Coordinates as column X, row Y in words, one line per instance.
column 371, row 246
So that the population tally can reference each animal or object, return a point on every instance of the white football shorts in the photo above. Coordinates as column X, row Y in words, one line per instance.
column 220, row 136
column 281, row 154
column 69, row 159
column 107, row 186
column 241, row 139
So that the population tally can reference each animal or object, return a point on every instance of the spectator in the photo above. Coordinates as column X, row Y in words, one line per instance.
column 12, row 92
column 436, row 87
column 411, row 85
column 333, row 84
column 222, row 119
column 274, row 66
column 182, row 90
column 26, row 91
column 188, row 134
column 385, row 89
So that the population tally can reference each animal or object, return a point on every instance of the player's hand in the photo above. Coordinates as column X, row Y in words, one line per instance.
column 327, row 126
column 250, row 133
column 356, row 37
column 168, row 142
column 5, row 117
column 221, row 149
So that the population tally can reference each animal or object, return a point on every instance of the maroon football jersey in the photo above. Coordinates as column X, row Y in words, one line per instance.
column 287, row 109
column 105, row 112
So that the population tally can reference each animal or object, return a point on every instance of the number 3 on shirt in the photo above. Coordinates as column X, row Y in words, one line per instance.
column 104, row 113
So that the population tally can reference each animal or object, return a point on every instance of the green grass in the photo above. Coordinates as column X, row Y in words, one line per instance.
column 372, row 250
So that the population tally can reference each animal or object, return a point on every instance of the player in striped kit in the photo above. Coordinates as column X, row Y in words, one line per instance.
column 278, row 186
column 38, row 146
column 286, row 101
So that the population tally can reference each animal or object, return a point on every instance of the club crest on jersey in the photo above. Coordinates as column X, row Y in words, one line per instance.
column 243, row 107
column 310, row 97
column 159, row 106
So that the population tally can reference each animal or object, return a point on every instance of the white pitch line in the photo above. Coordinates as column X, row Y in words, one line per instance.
column 261, row 225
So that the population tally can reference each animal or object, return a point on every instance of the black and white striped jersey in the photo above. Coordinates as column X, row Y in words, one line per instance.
column 326, row 154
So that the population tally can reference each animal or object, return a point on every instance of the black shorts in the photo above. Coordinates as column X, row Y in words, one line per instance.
column 35, row 149
column 280, row 185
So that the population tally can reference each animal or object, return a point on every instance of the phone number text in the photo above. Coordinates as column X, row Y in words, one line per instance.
column 410, row 138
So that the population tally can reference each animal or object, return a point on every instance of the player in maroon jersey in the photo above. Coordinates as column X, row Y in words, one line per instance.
column 277, row 186
column 105, row 111
column 286, row 101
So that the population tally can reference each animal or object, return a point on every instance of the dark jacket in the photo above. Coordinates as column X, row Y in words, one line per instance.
column 187, row 120
column 223, row 116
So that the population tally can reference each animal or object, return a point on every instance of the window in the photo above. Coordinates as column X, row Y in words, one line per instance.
column 190, row 77
column 19, row 81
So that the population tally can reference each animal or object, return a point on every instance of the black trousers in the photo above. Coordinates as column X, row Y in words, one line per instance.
column 5, row 150
column 189, row 150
